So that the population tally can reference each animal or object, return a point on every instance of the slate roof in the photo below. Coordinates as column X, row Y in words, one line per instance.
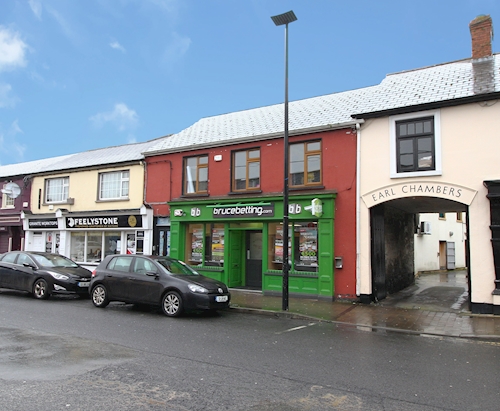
column 445, row 82
column 332, row 110
column 98, row 157
column 434, row 84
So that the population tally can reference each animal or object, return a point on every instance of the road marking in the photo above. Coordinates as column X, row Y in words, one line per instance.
column 295, row 328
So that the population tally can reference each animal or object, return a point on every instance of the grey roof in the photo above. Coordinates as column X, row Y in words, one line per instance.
column 444, row 82
column 98, row 157
column 331, row 110
column 440, row 83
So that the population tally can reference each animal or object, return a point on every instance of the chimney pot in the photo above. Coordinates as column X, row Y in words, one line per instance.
column 481, row 31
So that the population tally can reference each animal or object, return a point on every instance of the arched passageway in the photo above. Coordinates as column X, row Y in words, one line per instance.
column 394, row 225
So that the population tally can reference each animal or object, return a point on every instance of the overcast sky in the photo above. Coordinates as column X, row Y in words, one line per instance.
column 83, row 74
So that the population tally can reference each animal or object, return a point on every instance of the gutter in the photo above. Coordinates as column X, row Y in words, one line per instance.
column 478, row 98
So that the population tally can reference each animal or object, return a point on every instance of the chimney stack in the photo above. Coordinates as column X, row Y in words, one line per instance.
column 481, row 31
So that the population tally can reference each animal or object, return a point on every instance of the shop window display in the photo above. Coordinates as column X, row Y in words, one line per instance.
column 302, row 246
column 205, row 244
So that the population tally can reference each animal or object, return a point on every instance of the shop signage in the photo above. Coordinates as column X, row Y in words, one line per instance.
column 316, row 207
column 453, row 192
column 43, row 223
column 121, row 221
column 244, row 211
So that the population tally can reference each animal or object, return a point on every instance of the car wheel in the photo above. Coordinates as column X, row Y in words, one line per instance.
column 171, row 304
column 100, row 296
column 41, row 289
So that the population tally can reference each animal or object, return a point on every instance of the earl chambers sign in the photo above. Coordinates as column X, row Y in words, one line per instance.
column 453, row 192
column 120, row 221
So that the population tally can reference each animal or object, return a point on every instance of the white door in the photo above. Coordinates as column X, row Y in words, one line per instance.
column 38, row 242
column 450, row 255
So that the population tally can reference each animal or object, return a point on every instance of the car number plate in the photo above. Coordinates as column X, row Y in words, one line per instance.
column 83, row 283
column 221, row 298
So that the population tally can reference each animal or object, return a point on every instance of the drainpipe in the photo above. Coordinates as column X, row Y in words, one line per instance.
column 358, row 179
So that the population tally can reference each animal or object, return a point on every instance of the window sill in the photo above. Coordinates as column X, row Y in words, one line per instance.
column 113, row 200
column 56, row 203
column 417, row 174
column 246, row 192
column 301, row 188
column 195, row 195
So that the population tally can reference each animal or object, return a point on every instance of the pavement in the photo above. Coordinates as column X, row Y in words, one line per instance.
column 436, row 305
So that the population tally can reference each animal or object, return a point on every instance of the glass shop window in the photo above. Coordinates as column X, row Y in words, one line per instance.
column 205, row 244
column 88, row 246
column 194, row 244
column 306, row 246
column 214, row 244
column 302, row 246
column 112, row 243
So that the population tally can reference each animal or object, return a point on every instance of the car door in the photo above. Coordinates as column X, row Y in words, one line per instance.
column 117, row 277
column 146, row 287
column 24, row 272
column 7, row 270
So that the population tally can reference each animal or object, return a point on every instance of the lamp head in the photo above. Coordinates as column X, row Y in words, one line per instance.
column 284, row 18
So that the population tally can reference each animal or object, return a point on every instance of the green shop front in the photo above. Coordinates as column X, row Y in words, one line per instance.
column 240, row 242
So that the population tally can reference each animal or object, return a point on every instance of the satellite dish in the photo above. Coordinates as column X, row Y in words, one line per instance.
column 12, row 190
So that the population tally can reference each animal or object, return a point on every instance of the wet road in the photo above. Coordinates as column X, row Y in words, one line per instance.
column 65, row 354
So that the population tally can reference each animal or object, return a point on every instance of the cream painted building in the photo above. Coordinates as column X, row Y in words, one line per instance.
column 440, row 242
column 431, row 144
column 91, row 204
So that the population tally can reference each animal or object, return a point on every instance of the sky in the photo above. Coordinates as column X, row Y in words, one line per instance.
column 76, row 75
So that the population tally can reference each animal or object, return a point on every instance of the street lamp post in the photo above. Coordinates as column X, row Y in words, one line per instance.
column 279, row 20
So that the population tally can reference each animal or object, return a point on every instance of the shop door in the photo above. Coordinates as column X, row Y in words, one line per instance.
column 235, row 259
column 253, row 266
column 38, row 242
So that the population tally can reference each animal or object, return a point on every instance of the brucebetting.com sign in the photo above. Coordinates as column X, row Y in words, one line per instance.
column 243, row 211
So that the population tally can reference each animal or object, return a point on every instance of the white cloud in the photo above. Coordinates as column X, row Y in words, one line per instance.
column 176, row 49
column 12, row 50
column 36, row 8
column 121, row 117
column 6, row 100
column 117, row 46
column 65, row 26
column 8, row 143
column 170, row 6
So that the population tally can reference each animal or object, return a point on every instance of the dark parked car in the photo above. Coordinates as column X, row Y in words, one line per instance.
column 156, row 280
column 43, row 274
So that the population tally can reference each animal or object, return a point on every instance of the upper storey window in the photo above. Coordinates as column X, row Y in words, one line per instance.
column 415, row 144
column 7, row 200
column 114, row 185
column 196, row 175
column 305, row 164
column 56, row 190
column 246, row 170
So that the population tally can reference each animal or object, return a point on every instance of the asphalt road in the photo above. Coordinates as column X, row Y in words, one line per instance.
column 65, row 354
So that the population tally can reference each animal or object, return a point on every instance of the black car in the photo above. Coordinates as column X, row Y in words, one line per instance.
column 43, row 274
column 156, row 280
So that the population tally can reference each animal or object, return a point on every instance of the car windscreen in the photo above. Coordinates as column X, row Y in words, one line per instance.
column 176, row 267
column 53, row 260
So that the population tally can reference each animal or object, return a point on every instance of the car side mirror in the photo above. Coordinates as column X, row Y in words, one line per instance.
column 152, row 273
column 29, row 265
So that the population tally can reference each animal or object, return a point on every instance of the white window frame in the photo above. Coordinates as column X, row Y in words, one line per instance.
column 7, row 200
column 121, row 179
column 437, row 144
column 64, row 190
